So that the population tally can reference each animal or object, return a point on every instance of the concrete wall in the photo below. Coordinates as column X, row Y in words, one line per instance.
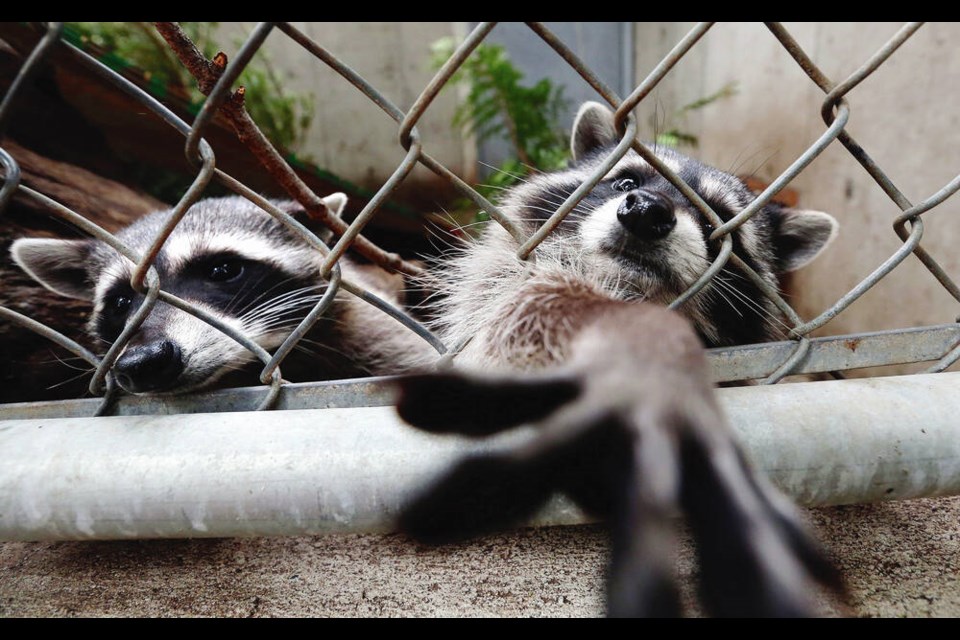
column 904, row 115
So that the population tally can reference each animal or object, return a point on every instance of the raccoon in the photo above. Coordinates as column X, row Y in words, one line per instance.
column 578, row 343
column 633, row 237
column 239, row 263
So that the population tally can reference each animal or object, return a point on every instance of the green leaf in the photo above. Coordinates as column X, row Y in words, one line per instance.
column 283, row 117
column 727, row 90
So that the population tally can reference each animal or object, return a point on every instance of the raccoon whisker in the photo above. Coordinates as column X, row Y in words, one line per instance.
column 493, row 186
column 262, row 294
column 551, row 211
column 309, row 287
column 103, row 340
column 65, row 362
column 278, row 325
column 751, row 304
column 728, row 272
column 247, row 287
column 737, row 163
column 446, row 236
column 306, row 350
column 762, row 164
column 293, row 308
column 443, row 240
column 61, row 359
column 719, row 289
column 309, row 341
column 535, row 219
column 230, row 308
column 312, row 347
column 531, row 167
column 436, row 230
column 290, row 299
column 292, row 315
column 724, row 284
column 72, row 378
column 464, row 227
column 705, row 263
column 446, row 216
column 250, row 308
column 281, row 309
column 232, row 366
column 540, row 197
column 516, row 177
column 729, row 286
column 430, row 299
column 559, row 200
column 281, row 326
column 274, row 325
column 321, row 346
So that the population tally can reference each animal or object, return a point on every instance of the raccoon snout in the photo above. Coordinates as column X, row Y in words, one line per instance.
column 647, row 215
column 150, row 367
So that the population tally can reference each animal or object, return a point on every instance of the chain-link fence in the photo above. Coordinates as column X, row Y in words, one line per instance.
column 770, row 363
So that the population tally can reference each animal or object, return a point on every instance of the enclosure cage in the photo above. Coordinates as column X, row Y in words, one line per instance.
column 287, row 458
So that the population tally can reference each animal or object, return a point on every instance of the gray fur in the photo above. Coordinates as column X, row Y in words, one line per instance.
column 588, row 250
column 354, row 340
column 631, row 430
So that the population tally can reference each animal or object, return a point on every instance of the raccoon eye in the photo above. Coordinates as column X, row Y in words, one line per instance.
column 625, row 184
column 118, row 305
column 225, row 271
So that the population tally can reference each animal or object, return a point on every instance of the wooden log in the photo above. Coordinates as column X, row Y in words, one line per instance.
column 32, row 367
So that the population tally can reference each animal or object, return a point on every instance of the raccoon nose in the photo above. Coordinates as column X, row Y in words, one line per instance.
column 647, row 215
column 150, row 367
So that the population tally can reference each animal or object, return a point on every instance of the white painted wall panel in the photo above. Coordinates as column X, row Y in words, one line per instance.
column 904, row 115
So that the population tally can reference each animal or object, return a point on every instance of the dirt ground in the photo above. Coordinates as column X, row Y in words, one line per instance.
column 900, row 559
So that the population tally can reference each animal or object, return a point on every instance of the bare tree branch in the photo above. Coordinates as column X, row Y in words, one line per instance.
column 207, row 72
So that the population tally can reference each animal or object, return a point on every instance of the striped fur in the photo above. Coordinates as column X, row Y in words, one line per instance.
column 238, row 263
column 577, row 341
column 592, row 249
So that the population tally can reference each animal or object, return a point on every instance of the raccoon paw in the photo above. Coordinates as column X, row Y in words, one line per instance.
column 634, row 469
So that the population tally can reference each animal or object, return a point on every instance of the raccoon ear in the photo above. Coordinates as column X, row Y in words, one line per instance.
column 592, row 129
column 59, row 265
column 801, row 235
column 336, row 202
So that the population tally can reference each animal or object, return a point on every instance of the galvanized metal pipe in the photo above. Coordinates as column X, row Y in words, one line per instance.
column 853, row 441
column 338, row 470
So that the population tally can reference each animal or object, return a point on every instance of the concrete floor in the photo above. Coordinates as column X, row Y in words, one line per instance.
column 899, row 559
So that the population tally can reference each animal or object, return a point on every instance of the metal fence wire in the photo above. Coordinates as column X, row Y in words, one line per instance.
column 802, row 354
